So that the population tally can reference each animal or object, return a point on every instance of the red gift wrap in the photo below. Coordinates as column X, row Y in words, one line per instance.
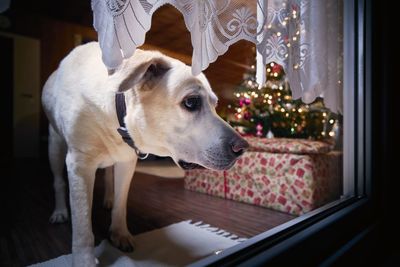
column 289, row 175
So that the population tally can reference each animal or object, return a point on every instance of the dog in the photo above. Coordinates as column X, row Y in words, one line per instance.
column 107, row 119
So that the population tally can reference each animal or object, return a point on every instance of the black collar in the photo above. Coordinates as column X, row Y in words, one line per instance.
column 121, row 113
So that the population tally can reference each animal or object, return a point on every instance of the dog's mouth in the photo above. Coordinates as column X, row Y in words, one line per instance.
column 189, row 165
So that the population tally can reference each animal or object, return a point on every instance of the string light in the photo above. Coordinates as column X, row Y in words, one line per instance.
column 324, row 114
column 268, row 70
column 275, row 74
column 331, row 121
column 331, row 134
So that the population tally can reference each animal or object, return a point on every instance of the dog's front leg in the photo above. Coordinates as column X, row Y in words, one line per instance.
column 119, row 233
column 81, row 175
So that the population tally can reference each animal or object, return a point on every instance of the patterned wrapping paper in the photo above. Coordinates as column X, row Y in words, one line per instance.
column 288, row 182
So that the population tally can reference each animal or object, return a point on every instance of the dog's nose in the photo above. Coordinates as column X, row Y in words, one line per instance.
column 239, row 145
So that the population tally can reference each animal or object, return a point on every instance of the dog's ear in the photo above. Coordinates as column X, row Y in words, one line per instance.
column 146, row 74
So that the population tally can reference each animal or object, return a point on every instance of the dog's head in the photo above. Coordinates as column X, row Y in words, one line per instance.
column 172, row 113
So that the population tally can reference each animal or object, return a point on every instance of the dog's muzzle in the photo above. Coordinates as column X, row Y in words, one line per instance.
column 188, row 165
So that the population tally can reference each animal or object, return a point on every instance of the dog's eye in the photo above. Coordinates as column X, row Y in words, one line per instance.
column 192, row 103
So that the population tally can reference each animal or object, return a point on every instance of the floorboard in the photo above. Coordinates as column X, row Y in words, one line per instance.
column 27, row 237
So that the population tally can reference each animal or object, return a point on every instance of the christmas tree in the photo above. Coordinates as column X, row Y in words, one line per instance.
column 270, row 110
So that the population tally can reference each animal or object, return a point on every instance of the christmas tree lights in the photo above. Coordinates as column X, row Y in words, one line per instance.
column 271, row 110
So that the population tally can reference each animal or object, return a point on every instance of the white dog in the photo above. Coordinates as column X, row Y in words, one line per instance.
column 168, row 112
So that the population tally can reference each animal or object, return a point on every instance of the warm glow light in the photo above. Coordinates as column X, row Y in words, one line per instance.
column 298, row 32
column 239, row 116
column 269, row 102
column 237, row 95
column 323, row 133
column 288, row 45
column 278, row 34
column 229, row 106
column 279, row 94
column 324, row 114
column 300, row 110
column 282, row 110
column 269, row 26
column 272, row 64
column 270, row 97
column 331, row 133
column 284, row 23
column 331, row 121
column 268, row 70
column 294, row 38
column 280, row 87
column 275, row 74
column 296, row 66
column 287, row 114
column 239, row 110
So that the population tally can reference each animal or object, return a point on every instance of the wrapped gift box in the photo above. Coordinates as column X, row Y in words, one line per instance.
column 288, row 175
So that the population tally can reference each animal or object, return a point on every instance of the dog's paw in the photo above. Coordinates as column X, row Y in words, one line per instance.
column 59, row 216
column 122, row 241
column 84, row 257
column 108, row 203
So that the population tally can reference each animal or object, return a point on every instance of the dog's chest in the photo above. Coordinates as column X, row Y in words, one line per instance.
column 116, row 153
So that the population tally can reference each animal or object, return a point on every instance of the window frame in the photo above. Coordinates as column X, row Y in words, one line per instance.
column 350, row 216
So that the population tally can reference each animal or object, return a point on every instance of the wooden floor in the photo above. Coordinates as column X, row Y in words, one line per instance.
column 27, row 237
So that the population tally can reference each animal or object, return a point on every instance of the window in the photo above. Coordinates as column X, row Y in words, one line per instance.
column 326, row 227
column 322, row 229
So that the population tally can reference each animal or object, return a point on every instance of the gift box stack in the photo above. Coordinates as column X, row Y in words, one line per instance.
column 289, row 175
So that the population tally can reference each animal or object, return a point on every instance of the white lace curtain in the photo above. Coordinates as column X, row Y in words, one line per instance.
column 304, row 36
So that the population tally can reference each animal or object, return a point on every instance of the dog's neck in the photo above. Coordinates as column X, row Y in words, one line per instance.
column 120, row 107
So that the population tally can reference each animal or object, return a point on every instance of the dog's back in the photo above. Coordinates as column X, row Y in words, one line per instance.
column 79, row 75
